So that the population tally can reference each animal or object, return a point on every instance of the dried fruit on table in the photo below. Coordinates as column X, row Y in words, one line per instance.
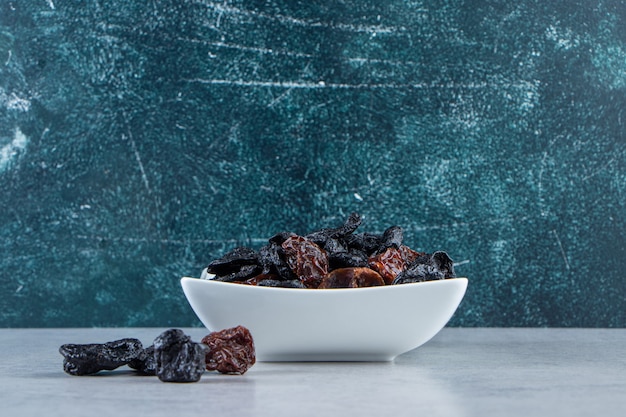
column 145, row 363
column 230, row 351
column 178, row 359
column 87, row 359
column 352, row 278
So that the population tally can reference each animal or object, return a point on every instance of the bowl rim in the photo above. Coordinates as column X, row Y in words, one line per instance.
column 327, row 290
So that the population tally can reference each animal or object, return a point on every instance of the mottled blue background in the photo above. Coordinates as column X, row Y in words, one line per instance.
column 140, row 140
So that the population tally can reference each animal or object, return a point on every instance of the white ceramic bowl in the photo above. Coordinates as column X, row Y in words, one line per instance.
column 351, row 324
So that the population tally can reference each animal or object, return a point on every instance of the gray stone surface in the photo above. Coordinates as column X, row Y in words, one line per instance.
column 140, row 140
column 461, row 372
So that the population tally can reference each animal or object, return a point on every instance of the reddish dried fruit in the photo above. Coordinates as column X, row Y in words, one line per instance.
column 352, row 278
column 392, row 262
column 306, row 259
column 231, row 351
column 388, row 264
column 409, row 255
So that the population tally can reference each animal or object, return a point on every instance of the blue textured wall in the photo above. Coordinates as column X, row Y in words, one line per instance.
column 140, row 140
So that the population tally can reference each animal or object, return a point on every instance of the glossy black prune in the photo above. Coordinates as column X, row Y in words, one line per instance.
column 233, row 261
column 87, row 359
column 244, row 273
column 320, row 237
column 272, row 259
column 427, row 267
column 442, row 261
column 369, row 243
column 177, row 358
column 282, row 283
column 392, row 238
column 146, row 363
column 347, row 259
column 335, row 245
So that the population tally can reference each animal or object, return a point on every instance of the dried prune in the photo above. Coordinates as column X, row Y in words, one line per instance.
column 244, row 273
column 178, row 359
column 441, row 260
column 282, row 283
column 350, row 225
column 306, row 259
column 146, row 362
column 426, row 268
column 230, row 351
column 351, row 278
column 321, row 236
column 233, row 261
column 392, row 237
column 91, row 358
column 350, row 258
column 366, row 242
column 334, row 245
column 271, row 280
column 272, row 259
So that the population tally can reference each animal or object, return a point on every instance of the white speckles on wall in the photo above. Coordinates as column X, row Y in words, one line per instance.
column 138, row 142
column 12, row 150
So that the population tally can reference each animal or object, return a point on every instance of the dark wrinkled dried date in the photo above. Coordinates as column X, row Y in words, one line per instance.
column 231, row 351
column 306, row 259
column 352, row 278
column 392, row 261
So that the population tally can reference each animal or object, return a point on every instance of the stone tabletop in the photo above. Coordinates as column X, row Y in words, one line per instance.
column 460, row 372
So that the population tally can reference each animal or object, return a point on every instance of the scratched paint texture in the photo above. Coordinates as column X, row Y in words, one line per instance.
column 140, row 140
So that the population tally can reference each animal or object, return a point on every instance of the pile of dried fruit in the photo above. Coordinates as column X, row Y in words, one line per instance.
column 172, row 358
column 332, row 258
